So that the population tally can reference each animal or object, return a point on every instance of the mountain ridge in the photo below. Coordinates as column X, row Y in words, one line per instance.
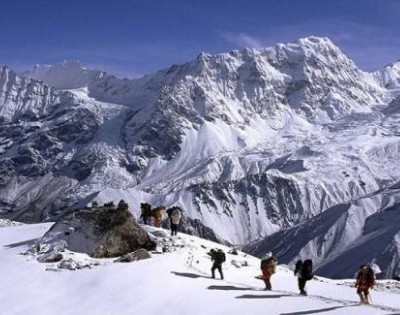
column 248, row 142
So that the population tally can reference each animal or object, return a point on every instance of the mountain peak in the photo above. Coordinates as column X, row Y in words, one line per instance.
column 67, row 63
column 316, row 40
column 69, row 74
column 389, row 76
column 314, row 45
column 73, row 63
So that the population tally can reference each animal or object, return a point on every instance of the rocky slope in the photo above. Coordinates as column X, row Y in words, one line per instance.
column 344, row 236
column 248, row 142
column 389, row 76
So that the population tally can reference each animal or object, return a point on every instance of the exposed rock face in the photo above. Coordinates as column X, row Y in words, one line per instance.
column 343, row 237
column 196, row 227
column 26, row 99
column 393, row 108
column 389, row 76
column 99, row 232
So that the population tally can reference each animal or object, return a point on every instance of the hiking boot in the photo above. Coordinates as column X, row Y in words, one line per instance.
column 365, row 301
column 303, row 293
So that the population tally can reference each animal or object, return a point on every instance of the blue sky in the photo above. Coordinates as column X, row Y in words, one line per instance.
column 132, row 38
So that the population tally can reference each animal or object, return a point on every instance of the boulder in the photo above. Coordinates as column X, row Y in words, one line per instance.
column 50, row 257
column 99, row 232
column 139, row 254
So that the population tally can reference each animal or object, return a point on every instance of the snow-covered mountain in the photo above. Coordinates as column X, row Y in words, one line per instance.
column 389, row 76
column 249, row 142
column 348, row 234
column 70, row 74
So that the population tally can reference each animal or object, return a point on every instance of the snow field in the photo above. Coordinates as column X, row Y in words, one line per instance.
column 176, row 283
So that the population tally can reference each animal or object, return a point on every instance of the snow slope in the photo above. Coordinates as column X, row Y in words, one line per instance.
column 172, row 283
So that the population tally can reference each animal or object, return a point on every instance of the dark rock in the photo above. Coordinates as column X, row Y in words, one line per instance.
column 81, row 167
column 233, row 252
column 6, row 171
column 139, row 254
column 81, row 127
column 196, row 227
column 51, row 257
column 99, row 232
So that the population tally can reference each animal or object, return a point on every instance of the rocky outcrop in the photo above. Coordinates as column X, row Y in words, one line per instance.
column 139, row 254
column 393, row 108
column 100, row 232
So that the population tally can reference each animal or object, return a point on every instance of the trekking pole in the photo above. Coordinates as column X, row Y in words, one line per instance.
column 370, row 298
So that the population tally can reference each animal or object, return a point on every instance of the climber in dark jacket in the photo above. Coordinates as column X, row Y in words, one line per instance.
column 303, row 271
column 145, row 210
column 174, row 214
column 365, row 281
column 218, row 258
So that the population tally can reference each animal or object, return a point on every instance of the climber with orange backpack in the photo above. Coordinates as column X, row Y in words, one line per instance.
column 365, row 281
column 268, row 268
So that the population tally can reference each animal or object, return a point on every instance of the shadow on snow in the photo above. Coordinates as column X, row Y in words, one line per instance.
column 265, row 296
column 321, row 310
column 23, row 243
column 188, row 275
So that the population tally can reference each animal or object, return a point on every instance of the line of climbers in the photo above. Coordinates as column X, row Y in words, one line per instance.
column 158, row 214
column 303, row 269
column 365, row 279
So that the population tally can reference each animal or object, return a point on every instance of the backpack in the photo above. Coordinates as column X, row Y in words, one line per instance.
column 297, row 267
column 306, row 270
column 371, row 277
column 145, row 210
column 366, row 278
column 175, row 216
column 158, row 213
column 269, row 264
column 219, row 257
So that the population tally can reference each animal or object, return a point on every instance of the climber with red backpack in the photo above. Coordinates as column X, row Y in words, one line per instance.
column 365, row 281
column 268, row 268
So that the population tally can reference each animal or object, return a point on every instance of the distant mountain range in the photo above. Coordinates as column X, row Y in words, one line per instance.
column 290, row 148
